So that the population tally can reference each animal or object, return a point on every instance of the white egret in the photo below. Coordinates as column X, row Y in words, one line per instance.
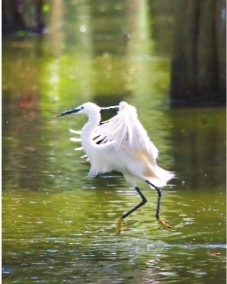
column 123, row 146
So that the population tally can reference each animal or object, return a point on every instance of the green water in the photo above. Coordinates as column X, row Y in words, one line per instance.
column 57, row 226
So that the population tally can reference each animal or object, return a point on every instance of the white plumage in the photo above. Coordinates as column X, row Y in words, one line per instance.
column 121, row 144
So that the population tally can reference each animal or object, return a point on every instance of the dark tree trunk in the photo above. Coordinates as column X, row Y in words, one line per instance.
column 13, row 19
column 198, row 66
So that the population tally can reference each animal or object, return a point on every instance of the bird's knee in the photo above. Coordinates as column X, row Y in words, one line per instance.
column 144, row 200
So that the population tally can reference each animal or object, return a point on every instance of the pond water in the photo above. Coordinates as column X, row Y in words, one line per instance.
column 58, row 226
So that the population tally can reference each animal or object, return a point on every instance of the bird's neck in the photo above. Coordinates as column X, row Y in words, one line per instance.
column 88, row 130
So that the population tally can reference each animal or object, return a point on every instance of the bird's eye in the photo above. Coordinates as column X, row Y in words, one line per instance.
column 82, row 107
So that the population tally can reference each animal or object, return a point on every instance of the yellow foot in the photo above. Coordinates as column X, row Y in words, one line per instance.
column 119, row 225
column 164, row 223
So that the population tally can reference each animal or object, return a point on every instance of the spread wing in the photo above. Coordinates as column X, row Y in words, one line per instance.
column 125, row 128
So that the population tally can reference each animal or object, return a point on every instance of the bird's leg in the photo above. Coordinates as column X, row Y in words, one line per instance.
column 160, row 220
column 122, row 219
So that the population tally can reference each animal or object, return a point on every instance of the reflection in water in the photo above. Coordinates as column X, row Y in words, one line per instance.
column 200, row 134
column 56, row 224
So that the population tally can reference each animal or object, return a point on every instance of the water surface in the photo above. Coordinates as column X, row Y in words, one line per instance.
column 58, row 227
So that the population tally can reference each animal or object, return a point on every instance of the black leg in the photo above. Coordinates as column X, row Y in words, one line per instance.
column 144, row 200
column 159, row 191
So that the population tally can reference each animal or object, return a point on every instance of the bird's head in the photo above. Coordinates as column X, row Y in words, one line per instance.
column 86, row 108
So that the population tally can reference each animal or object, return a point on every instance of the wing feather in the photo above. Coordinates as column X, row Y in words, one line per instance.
column 125, row 128
column 75, row 131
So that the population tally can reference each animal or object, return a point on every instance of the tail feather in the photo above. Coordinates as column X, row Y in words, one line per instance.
column 161, row 177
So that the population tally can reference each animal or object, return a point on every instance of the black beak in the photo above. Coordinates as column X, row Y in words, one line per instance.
column 74, row 110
